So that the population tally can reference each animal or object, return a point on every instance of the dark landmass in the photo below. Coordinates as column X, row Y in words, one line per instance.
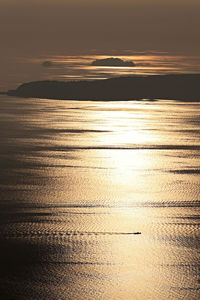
column 184, row 87
column 112, row 61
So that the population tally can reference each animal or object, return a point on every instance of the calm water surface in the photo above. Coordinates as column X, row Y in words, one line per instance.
column 78, row 179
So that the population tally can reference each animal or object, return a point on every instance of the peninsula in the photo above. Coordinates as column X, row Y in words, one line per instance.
column 184, row 87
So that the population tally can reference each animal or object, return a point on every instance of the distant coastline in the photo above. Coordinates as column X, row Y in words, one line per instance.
column 184, row 87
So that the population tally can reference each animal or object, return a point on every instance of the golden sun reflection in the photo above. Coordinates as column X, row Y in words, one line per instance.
column 100, row 206
column 117, row 122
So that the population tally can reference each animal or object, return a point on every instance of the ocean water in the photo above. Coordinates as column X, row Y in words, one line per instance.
column 99, row 200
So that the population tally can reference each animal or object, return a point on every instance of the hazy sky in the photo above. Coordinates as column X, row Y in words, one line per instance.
column 65, row 27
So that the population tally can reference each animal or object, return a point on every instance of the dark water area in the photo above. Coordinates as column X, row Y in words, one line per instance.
column 99, row 200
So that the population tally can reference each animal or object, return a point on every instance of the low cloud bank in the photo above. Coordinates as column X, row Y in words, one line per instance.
column 112, row 61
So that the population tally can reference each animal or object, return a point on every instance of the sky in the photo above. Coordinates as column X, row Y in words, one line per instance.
column 66, row 27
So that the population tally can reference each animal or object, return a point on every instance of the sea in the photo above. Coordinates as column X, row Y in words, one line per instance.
column 98, row 199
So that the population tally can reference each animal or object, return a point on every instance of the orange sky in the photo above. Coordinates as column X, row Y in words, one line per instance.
column 67, row 27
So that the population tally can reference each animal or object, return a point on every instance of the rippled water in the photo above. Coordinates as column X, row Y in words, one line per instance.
column 99, row 200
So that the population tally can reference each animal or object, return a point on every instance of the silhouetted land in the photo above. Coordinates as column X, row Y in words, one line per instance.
column 177, row 87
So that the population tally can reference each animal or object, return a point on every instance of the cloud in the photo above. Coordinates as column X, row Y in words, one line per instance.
column 52, row 64
column 112, row 61
column 47, row 64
